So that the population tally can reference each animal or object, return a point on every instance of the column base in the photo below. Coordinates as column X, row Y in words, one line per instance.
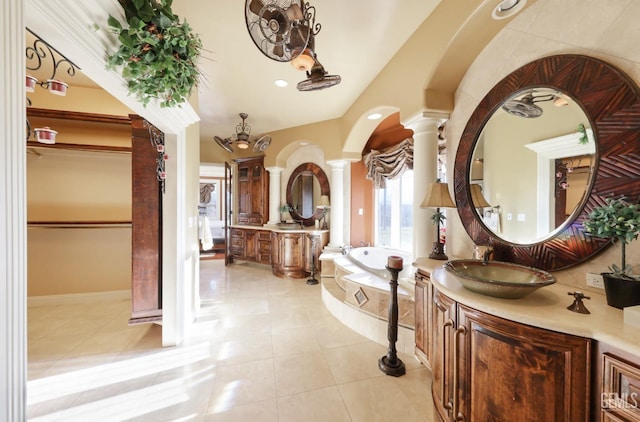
column 389, row 367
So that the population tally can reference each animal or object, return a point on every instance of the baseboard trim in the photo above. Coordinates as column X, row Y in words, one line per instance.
column 77, row 298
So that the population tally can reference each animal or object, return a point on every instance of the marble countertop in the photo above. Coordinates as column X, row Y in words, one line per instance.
column 545, row 308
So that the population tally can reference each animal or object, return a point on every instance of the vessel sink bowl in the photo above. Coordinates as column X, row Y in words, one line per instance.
column 498, row 279
column 289, row 226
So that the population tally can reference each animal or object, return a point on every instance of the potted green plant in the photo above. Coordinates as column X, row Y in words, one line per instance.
column 157, row 53
column 618, row 220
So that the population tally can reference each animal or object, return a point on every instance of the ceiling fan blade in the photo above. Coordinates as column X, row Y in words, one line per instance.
column 278, row 49
column 224, row 143
column 256, row 6
column 262, row 143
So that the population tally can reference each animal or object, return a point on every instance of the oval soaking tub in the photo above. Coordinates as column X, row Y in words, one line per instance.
column 374, row 260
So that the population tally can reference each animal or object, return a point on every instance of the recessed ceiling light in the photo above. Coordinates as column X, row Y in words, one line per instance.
column 507, row 8
column 281, row 83
column 374, row 116
column 304, row 143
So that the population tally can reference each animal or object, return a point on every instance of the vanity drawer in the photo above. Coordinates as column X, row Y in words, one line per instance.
column 620, row 390
column 264, row 235
column 237, row 233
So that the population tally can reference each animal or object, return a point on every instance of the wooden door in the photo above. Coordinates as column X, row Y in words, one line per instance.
column 514, row 372
column 228, row 212
column 146, row 223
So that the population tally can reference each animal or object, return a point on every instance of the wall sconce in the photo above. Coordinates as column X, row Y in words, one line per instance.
column 438, row 197
column 35, row 55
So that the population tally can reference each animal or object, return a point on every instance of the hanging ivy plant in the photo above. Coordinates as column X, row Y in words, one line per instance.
column 157, row 53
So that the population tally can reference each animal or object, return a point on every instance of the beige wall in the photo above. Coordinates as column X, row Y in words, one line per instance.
column 548, row 27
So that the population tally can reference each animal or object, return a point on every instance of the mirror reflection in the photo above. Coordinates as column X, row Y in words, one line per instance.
column 305, row 193
column 532, row 164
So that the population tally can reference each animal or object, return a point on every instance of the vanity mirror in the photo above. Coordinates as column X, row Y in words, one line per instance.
column 607, row 104
column 307, row 183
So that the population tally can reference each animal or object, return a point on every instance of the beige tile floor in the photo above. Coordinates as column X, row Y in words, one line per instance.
column 262, row 349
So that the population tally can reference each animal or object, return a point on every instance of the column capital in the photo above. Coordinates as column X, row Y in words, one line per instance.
column 274, row 170
column 337, row 164
column 426, row 121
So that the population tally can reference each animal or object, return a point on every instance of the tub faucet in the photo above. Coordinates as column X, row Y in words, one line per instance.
column 344, row 250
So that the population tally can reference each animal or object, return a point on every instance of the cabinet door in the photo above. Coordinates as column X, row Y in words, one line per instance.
column 444, row 323
column 251, row 245
column 422, row 313
column 513, row 372
column 244, row 201
column 292, row 251
column 620, row 398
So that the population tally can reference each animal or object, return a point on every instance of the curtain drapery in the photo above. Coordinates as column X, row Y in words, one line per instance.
column 389, row 163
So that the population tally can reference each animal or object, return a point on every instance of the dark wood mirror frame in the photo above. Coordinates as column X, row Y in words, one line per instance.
column 324, row 190
column 611, row 100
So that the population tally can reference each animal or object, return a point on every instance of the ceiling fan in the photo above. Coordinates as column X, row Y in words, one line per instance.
column 285, row 30
column 279, row 28
column 526, row 106
column 242, row 138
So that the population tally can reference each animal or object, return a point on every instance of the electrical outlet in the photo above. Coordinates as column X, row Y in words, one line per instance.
column 595, row 280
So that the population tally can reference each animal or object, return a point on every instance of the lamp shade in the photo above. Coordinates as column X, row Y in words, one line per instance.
column 477, row 199
column 437, row 196
column 323, row 202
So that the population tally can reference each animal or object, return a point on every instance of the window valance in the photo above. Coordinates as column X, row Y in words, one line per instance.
column 389, row 163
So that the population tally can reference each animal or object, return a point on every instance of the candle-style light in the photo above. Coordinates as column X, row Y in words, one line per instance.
column 390, row 364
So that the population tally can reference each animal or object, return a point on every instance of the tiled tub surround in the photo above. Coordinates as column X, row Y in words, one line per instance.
column 361, row 301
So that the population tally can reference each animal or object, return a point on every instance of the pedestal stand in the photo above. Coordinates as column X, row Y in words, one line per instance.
column 313, row 279
column 390, row 364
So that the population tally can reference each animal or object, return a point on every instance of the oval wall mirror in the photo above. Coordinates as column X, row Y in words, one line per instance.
column 307, row 183
column 610, row 101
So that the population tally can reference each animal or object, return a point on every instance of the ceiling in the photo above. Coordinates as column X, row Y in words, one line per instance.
column 357, row 39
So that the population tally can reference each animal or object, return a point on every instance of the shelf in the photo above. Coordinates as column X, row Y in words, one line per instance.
column 78, row 224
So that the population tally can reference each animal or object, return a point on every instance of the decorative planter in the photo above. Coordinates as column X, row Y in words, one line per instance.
column 30, row 83
column 57, row 87
column 44, row 135
column 621, row 292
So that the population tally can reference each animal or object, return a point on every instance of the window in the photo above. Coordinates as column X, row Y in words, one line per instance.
column 394, row 213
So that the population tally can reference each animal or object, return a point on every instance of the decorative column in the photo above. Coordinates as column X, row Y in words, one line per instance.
column 13, row 224
column 336, row 214
column 274, row 194
column 425, row 169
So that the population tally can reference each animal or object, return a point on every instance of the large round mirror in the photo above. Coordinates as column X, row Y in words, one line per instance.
column 306, row 185
column 542, row 139
column 610, row 101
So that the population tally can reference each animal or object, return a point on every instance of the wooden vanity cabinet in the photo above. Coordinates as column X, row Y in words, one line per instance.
column 251, row 245
column 486, row 368
column 293, row 254
column 253, row 191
